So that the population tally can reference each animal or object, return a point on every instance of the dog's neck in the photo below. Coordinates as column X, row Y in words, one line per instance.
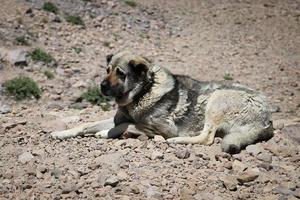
column 163, row 82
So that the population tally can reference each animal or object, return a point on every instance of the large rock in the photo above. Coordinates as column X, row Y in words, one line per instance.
column 14, row 56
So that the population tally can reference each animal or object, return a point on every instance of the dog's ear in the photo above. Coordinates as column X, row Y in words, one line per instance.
column 108, row 58
column 139, row 65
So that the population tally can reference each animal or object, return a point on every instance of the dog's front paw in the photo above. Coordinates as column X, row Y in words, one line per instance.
column 102, row 134
column 57, row 135
column 172, row 140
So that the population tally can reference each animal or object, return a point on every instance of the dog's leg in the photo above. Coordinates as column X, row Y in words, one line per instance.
column 206, row 137
column 114, row 132
column 84, row 129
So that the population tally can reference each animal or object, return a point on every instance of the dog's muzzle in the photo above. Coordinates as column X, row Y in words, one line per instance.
column 105, row 87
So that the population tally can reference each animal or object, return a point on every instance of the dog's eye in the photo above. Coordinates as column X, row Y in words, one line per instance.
column 121, row 74
column 108, row 70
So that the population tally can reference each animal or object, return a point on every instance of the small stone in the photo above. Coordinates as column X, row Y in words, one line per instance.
column 56, row 172
column 67, row 188
column 57, row 19
column 153, row 192
column 55, row 105
column 112, row 181
column 135, row 189
column 79, row 105
column 143, row 137
column 182, row 154
column 122, row 176
column 248, row 176
column 8, row 175
column 120, row 143
column 253, row 149
column 17, row 57
column 229, row 182
column 159, row 138
column 264, row 157
column 5, row 109
column 156, row 155
column 25, row 157
column 238, row 166
column 265, row 166
column 292, row 132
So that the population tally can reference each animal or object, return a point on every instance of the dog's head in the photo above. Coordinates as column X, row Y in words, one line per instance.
column 127, row 76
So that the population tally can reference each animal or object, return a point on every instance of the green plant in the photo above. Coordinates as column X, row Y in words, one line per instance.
column 40, row 55
column 21, row 40
column 227, row 76
column 94, row 96
column 22, row 87
column 74, row 19
column 49, row 74
column 131, row 3
column 50, row 7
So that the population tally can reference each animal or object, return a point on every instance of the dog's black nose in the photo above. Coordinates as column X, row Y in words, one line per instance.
column 104, row 87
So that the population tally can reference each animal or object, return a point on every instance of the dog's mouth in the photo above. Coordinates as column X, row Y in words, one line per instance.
column 129, row 96
column 124, row 98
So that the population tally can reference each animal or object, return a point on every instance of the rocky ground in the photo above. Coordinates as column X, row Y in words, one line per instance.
column 257, row 43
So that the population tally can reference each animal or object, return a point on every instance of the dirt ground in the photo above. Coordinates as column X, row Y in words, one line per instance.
column 257, row 43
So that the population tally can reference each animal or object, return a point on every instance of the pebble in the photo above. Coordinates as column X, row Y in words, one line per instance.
column 264, row 157
column 25, row 157
column 238, row 166
column 230, row 182
column 182, row 154
column 254, row 149
column 5, row 109
column 159, row 138
column 248, row 175
column 153, row 192
column 156, row 155
column 112, row 181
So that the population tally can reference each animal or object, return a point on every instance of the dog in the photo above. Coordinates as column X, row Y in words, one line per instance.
column 153, row 101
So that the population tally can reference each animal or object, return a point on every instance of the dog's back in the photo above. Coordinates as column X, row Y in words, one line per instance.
column 237, row 112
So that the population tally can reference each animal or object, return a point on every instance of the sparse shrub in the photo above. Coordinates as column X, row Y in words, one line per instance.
column 42, row 56
column 131, row 3
column 50, row 7
column 22, row 88
column 227, row 76
column 49, row 74
column 75, row 19
column 21, row 40
column 94, row 96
